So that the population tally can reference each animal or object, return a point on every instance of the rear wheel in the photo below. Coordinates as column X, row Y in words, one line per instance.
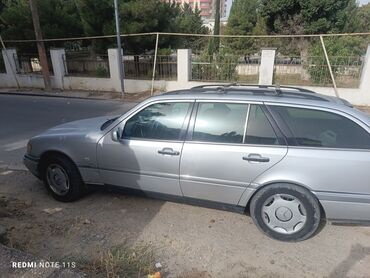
column 62, row 178
column 286, row 212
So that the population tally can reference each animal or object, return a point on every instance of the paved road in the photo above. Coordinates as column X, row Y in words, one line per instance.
column 22, row 117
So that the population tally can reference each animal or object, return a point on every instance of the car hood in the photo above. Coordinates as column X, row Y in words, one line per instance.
column 80, row 126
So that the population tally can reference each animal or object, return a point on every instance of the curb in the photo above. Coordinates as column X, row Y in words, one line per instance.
column 54, row 95
column 5, row 167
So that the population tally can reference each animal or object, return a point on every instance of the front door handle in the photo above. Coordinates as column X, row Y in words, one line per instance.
column 255, row 157
column 168, row 151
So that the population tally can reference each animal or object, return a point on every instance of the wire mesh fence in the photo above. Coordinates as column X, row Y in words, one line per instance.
column 299, row 61
column 230, row 68
column 314, row 71
column 83, row 64
column 29, row 63
column 141, row 67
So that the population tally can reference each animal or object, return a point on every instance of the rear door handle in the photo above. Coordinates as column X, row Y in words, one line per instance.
column 255, row 157
column 168, row 151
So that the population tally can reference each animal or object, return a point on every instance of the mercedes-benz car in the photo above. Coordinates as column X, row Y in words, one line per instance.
column 287, row 156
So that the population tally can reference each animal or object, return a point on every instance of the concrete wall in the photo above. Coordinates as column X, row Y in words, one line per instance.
column 60, row 80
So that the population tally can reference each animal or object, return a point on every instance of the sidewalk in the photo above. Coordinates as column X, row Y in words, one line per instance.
column 128, row 97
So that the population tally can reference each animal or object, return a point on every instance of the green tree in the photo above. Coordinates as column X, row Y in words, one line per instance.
column 74, row 18
column 243, row 21
column 307, row 16
column 58, row 19
column 362, row 19
column 214, row 42
column 189, row 21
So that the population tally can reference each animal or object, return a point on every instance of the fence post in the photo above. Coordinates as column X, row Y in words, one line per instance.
column 57, row 60
column 9, row 56
column 114, row 68
column 365, row 75
column 266, row 70
column 183, row 66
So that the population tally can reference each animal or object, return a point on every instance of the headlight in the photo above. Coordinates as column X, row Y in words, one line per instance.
column 29, row 148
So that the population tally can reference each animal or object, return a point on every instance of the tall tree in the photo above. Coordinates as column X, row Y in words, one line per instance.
column 243, row 21
column 361, row 21
column 214, row 43
column 189, row 21
column 307, row 16
column 58, row 19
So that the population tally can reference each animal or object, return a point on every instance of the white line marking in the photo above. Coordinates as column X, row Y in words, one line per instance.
column 6, row 173
column 15, row 146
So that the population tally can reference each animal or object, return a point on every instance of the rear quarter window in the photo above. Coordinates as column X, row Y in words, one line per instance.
column 315, row 128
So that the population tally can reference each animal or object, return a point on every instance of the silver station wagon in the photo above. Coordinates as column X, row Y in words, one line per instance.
column 287, row 156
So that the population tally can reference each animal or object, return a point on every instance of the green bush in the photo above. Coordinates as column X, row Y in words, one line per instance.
column 101, row 72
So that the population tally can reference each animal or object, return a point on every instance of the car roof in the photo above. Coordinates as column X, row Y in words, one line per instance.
column 266, row 94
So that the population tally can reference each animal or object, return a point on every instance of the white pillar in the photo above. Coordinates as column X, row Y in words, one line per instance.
column 114, row 69
column 266, row 72
column 57, row 59
column 365, row 76
column 183, row 66
column 9, row 57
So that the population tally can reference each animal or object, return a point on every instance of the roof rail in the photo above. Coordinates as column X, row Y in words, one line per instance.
column 276, row 87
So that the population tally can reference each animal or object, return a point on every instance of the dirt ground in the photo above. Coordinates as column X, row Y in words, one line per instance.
column 188, row 241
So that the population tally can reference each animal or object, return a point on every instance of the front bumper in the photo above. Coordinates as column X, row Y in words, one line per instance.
column 32, row 164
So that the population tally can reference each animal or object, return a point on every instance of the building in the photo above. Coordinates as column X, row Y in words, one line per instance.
column 205, row 7
column 228, row 5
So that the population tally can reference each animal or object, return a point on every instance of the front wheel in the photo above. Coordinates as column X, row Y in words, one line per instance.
column 62, row 179
column 286, row 212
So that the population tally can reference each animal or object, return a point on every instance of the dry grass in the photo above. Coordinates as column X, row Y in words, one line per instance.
column 120, row 261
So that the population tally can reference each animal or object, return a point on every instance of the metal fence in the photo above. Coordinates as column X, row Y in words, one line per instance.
column 85, row 65
column 141, row 67
column 30, row 64
column 314, row 70
column 226, row 68
column 2, row 64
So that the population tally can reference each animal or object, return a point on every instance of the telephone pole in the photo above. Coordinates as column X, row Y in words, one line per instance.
column 40, row 45
column 119, row 49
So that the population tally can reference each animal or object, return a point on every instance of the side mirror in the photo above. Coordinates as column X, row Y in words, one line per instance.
column 116, row 134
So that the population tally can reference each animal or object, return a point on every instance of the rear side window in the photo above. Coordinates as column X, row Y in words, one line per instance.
column 161, row 121
column 220, row 122
column 314, row 128
column 259, row 129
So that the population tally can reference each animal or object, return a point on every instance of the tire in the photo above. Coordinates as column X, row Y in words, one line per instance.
column 62, row 179
column 285, row 212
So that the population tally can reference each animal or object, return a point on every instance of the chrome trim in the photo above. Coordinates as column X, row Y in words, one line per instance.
column 143, row 173
column 342, row 197
column 226, row 183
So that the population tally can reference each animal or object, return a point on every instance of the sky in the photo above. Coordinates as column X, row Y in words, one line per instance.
column 362, row 2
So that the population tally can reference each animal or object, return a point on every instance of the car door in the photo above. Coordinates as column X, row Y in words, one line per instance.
column 146, row 153
column 228, row 145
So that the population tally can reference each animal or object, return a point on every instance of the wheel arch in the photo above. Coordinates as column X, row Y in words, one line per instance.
column 52, row 153
column 305, row 187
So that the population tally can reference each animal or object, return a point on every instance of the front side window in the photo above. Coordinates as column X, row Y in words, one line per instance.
column 315, row 128
column 220, row 122
column 160, row 121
